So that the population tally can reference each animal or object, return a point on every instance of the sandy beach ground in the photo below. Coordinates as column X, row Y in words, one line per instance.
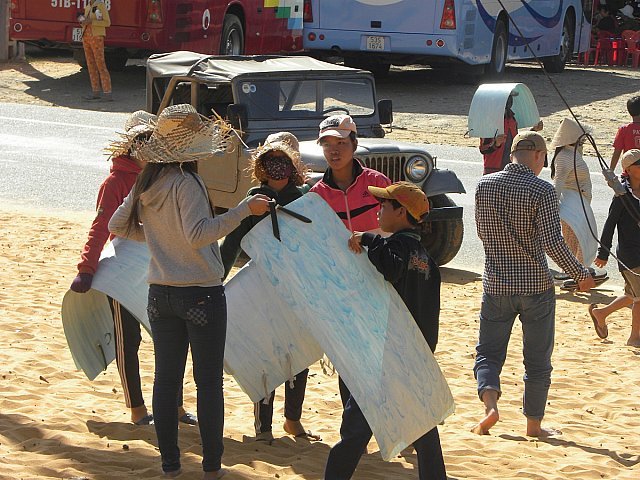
column 55, row 424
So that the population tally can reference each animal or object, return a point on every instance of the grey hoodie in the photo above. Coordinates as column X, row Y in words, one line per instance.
column 180, row 230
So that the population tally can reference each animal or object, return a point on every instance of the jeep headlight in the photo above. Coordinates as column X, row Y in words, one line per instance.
column 416, row 168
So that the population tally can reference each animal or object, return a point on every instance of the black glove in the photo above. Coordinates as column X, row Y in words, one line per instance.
column 82, row 283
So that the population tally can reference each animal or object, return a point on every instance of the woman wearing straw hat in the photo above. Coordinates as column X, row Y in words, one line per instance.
column 572, row 182
column 169, row 208
column 281, row 173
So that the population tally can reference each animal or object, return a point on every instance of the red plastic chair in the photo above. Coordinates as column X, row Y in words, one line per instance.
column 584, row 58
column 604, row 48
column 632, row 39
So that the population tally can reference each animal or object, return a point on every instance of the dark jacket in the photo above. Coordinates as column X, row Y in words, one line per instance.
column 404, row 262
column 230, row 248
column 628, row 249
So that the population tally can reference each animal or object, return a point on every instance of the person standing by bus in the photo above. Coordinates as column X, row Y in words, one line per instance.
column 95, row 21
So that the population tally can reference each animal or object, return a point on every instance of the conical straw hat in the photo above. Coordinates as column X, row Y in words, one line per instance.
column 568, row 133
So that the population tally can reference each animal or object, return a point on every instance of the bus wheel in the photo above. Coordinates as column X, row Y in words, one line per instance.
column 379, row 69
column 78, row 56
column 498, row 51
column 232, row 40
column 556, row 63
column 116, row 59
column 442, row 239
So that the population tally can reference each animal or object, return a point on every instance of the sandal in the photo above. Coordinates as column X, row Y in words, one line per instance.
column 146, row 420
column 189, row 419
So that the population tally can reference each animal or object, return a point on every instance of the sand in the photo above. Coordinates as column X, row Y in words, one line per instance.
column 54, row 423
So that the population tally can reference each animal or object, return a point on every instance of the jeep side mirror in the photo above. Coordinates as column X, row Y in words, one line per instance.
column 237, row 116
column 385, row 112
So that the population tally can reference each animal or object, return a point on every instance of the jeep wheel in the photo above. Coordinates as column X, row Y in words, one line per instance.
column 442, row 239
column 232, row 39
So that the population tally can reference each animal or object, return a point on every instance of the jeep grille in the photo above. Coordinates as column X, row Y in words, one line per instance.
column 392, row 166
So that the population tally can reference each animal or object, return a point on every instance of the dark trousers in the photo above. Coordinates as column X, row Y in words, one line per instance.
column 293, row 399
column 181, row 317
column 127, row 344
column 355, row 435
column 344, row 392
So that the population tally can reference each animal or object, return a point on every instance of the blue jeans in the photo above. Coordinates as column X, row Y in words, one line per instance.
column 355, row 434
column 537, row 315
column 181, row 317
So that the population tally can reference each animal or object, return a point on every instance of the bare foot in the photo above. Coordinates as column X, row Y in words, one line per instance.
column 534, row 429
column 633, row 342
column 172, row 474
column 599, row 320
column 213, row 475
column 487, row 422
column 296, row 429
column 544, row 432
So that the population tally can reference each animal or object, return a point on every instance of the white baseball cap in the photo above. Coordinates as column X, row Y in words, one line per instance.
column 337, row 126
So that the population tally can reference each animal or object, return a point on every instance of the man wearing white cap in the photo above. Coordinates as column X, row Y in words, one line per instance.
column 345, row 183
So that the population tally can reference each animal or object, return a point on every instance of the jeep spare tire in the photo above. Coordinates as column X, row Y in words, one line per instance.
column 442, row 239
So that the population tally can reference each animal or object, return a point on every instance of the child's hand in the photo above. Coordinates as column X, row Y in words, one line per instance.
column 259, row 204
column 600, row 263
column 355, row 242
column 499, row 140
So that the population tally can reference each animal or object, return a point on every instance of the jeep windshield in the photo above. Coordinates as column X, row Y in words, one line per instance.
column 273, row 99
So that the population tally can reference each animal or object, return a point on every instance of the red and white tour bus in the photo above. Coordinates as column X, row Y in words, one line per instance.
column 141, row 27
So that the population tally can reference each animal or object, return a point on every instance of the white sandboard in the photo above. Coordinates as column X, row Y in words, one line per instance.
column 571, row 211
column 86, row 317
column 359, row 320
column 266, row 343
column 486, row 112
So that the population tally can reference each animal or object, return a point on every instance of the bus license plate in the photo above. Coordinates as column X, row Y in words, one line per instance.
column 76, row 35
column 375, row 43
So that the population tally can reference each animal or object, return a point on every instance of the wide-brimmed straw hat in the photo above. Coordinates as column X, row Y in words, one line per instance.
column 181, row 135
column 139, row 124
column 568, row 133
column 286, row 143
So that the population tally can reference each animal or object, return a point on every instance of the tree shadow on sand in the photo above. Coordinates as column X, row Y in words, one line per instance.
column 458, row 276
column 580, row 86
column 625, row 459
column 128, row 85
column 29, row 435
column 286, row 452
